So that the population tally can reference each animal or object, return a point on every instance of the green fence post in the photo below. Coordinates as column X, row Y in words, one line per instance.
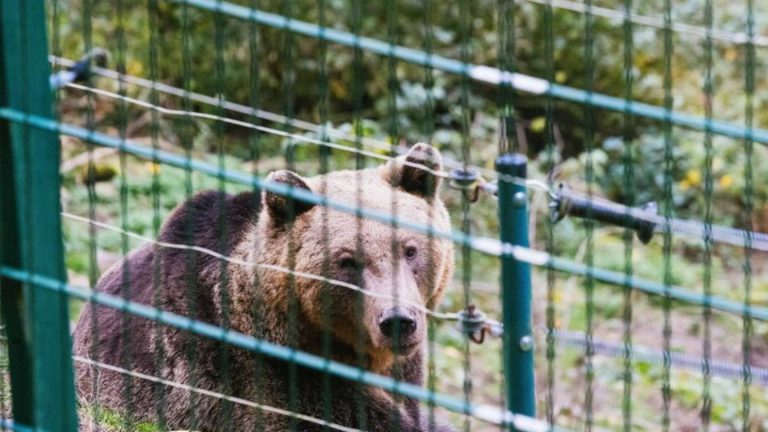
column 36, row 319
column 516, row 287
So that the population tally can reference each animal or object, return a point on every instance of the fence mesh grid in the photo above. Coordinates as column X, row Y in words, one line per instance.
column 649, row 101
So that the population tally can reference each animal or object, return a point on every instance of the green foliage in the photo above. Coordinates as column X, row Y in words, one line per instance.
column 281, row 72
column 110, row 421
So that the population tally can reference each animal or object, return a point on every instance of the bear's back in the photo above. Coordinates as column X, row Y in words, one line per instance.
column 164, row 277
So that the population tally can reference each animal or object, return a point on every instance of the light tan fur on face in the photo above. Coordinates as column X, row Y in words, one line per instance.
column 312, row 244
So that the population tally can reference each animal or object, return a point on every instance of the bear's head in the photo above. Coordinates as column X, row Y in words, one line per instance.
column 390, row 275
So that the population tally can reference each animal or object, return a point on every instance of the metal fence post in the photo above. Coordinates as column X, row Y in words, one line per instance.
column 516, row 288
column 36, row 319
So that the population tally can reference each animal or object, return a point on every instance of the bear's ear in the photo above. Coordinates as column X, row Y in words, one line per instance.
column 415, row 172
column 284, row 209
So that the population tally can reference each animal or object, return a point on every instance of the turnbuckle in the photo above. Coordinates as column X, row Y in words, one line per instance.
column 564, row 203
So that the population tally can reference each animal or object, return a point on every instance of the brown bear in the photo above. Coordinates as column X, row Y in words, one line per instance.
column 381, row 328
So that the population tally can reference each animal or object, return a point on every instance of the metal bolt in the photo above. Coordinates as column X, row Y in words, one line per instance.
column 526, row 343
column 520, row 199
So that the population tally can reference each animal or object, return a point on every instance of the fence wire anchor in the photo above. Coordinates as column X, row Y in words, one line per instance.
column 81, row 70
column 472, row 322
column 466, row 180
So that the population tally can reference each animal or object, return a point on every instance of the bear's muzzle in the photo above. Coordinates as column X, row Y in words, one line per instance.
column 400, row 326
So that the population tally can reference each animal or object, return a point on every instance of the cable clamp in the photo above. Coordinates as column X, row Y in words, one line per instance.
column 471, row 181
column 465, row 180
column 475, row 324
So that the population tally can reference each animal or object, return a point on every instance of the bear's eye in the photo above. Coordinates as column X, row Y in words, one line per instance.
column 410, row 252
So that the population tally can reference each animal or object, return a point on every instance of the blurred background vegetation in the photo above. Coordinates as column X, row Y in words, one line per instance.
column 398, row 103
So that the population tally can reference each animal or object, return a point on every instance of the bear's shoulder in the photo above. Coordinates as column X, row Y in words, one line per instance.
column 212, row 219
column 192, row 241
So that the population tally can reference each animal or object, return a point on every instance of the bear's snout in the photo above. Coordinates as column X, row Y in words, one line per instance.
column 399, row 325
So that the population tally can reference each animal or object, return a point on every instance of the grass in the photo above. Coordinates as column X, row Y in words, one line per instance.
column 112, row 421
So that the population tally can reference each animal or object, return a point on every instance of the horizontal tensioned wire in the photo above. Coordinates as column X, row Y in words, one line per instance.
column 536, row 184
column 727, row 235
column 229, row 105
column 324, row 130
column 694, row 229
column 480, row 73
column 213, row 394
column 488, row 413
column 481, row 244
column 277, row 268
column 691, row 228
column 568, row 338
column 574, row 339
column 247, row 125
column 739, row 38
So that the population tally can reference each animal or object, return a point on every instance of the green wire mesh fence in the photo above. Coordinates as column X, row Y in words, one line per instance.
column 654, row 305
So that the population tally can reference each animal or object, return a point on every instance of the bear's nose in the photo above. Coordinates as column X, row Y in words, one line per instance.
column 397, row 321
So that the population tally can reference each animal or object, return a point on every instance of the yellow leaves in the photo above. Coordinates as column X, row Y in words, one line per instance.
column 152, row 167
column 692, row 179
column 135, row 68
column 726, row 181
column 538, row 124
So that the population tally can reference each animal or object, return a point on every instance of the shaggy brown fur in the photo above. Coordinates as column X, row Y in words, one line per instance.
column 310, row 315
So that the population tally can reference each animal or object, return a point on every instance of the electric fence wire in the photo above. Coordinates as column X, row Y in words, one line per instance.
column 739, row 38
column 730, row 236
column 480, row 73
column 693, row 229
column 488, row 413
column 225, row 258
column 322, row 130
column 688, row 228
column 485, row 245
column 214, row 394
column 495, row 328
column 209, row 393
column 723, row 369
column 754, row 240
column 700, row 230
column 264, row 129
